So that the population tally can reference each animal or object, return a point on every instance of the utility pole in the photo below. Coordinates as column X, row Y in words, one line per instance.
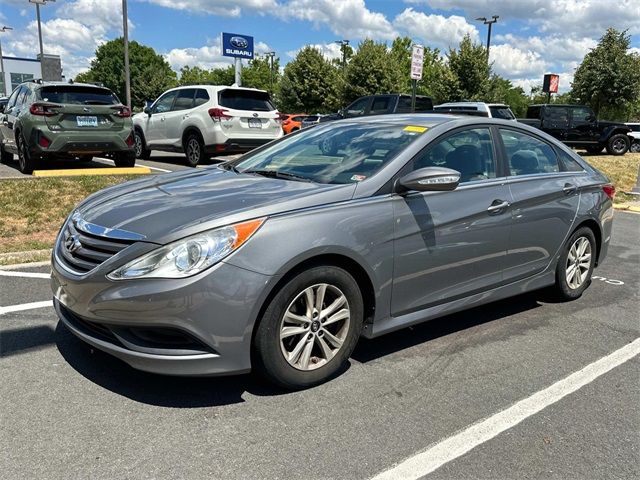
column 125, row 31
column 38, row 3
column 343, row 48
column 270, row 56
column 5, row 91
column 484, row 20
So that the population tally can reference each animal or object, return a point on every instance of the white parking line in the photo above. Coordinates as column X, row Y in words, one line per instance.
column 25, row 306
column 459, row 444
column 6, row 273
column 152, row 168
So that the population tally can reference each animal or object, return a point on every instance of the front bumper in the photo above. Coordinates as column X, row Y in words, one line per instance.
column 197, row 326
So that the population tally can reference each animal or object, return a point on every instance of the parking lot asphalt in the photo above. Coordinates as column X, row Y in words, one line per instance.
column 160, row 162
column 68, row 411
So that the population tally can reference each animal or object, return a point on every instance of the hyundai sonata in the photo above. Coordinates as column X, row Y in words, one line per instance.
column 280, row 260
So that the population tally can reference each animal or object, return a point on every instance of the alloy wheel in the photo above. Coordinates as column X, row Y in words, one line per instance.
column 138, row 145
column 193, row 151
column 618, row 145
column 578, row 263
column 21, row 154
column 314, row 326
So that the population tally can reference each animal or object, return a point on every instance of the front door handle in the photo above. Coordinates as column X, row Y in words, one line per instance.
column 569, row 188
column 498, row 205
column 162, row 119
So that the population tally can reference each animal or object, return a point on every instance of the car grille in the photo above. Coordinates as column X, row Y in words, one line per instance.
column 90, row 250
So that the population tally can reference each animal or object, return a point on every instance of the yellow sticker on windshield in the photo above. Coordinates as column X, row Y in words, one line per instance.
column 414, row 128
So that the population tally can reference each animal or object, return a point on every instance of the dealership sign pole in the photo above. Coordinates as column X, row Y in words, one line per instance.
column 238, row 47
column 417, row 59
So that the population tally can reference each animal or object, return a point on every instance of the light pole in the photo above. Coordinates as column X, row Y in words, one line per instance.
column 4, row 80
column 125, row 40
column 270, row 56
column 484, row 20
column 343, row 48
column 38, row 3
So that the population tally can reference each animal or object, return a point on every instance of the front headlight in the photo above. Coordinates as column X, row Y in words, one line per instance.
column 190, row 255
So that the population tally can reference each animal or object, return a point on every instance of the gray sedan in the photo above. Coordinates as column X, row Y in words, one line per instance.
column 280, row 260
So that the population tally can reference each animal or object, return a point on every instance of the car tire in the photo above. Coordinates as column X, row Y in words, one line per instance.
column 26, row 163
column 576, row 264
column 125, row 160
column 595, row 149
column 142, row 152
column 5, row 157
column 635, row 147
column 194, row 149
column 618, row 144
column 313, row 350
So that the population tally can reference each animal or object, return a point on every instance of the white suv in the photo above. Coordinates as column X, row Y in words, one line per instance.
column 206, row 120
column 635, row 137
column 481, row 109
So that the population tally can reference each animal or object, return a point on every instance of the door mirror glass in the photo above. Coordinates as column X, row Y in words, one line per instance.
column 147, row 110
column 429, row 179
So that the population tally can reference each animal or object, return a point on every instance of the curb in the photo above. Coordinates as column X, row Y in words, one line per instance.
column 17, row 266
column 627, row 207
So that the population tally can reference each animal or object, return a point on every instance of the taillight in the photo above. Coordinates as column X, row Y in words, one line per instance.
column 280, row 118
column 121, row 111
column 610, row 190
column 218, row 114
column 44, row 109
column 43, row 141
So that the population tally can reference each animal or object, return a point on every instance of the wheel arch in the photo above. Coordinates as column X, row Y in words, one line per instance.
column 188, row 131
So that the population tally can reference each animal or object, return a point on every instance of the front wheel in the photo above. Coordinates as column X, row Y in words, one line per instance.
column 576, row 263
column 142, row 151
column 635, row 147
column 309, row 329
column 618, row 144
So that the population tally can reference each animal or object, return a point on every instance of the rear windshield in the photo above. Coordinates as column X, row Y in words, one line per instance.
column 245, row 100
column 77, row 95
column 502, row 112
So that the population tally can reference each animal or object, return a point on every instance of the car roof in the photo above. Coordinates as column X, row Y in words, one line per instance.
column 218, row 87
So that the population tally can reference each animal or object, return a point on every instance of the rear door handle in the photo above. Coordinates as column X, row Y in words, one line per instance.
column 569, row 188
column 498, row 205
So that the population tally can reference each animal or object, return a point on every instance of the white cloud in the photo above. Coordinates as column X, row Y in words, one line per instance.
column 512, row 62
column 330, row 51
column 207, row 56
column 347, row 18
column 435, row 30
column 224, row 8
column 101, row 14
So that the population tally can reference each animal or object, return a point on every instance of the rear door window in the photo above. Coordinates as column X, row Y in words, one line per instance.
column 202, row 97
column 184, row 100
column 580, row 116
column 527, row 155
column 556, row 117
column 78, row 95
column 380, row 105
column 245, row 100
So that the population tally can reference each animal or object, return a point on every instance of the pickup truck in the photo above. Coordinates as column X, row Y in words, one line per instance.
column 577, row 126
column 381, row 104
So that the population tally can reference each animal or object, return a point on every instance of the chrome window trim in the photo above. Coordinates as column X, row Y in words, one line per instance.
column 99, row 230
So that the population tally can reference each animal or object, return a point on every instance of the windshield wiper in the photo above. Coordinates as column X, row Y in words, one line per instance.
column 277, row 174
column 229, row 166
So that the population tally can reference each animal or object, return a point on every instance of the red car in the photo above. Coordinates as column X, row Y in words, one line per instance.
column 292, row 122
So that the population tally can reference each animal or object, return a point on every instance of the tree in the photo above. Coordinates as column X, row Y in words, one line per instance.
column 608, row 79
column 150, row 73
column 258, row 74
column 200, row 76
column 469, row 64
column 372, row 70
column 309, row 84
column 501, row 90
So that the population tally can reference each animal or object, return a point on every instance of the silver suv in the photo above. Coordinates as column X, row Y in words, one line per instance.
column 205, row 120
column 480, row 109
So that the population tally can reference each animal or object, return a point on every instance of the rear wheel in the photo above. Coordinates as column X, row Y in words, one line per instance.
column 194, row 149
column 5, row 157
column 26, row 163
column 125, row 160
column 142, row 151
column 576, row 263
column 309, row 329
column 618, row 144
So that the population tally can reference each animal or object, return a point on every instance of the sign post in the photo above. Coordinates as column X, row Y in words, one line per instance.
column 417, row 60
column 238, row 47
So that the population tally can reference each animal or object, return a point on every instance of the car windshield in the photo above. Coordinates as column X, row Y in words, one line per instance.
column 70, row 94
column 502, row 112
column 335, row 153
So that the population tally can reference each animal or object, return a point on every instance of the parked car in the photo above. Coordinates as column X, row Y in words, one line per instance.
column 480, row 109
column 292, row 122
column 3, row 102
column 280, row 260
column 635, row 135
column 381, row 105
column 310, row 120
column 46, row 120
column 578, row 127
column 206, row 120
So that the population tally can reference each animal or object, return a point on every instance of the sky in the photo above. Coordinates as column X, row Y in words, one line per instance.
column 531, row 37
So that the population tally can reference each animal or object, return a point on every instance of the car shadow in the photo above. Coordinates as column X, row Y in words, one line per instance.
column 23, row 340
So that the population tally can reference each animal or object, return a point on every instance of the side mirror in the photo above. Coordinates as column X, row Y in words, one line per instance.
column 429, row 179
column 147, row 110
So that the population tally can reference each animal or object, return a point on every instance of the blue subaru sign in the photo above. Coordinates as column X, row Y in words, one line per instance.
column 239, row 46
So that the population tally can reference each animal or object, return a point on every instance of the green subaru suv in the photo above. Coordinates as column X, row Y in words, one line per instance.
column 46, row 120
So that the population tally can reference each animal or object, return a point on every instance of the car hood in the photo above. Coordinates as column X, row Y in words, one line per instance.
column 164, row 208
